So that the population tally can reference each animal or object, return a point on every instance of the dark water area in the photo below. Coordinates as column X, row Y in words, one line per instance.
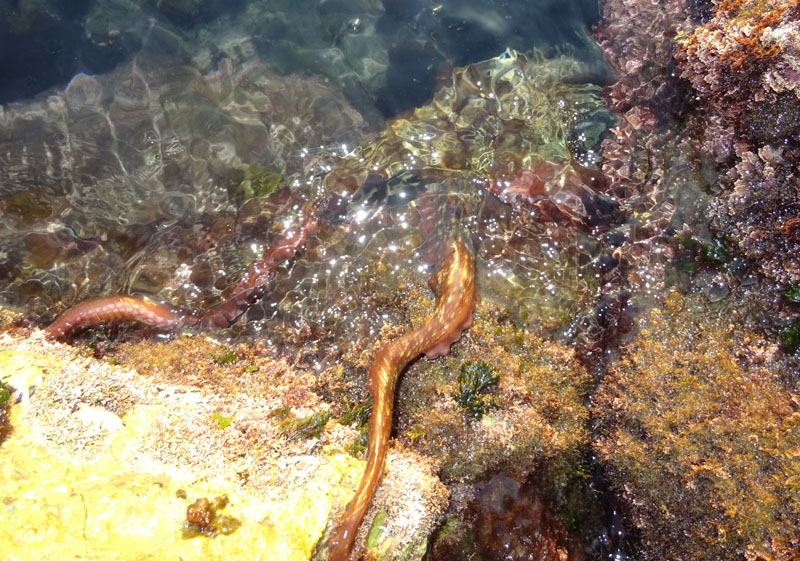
column 43, row 45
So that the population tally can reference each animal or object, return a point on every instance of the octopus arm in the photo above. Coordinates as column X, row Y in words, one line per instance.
column 454, row 284
column 246, row 293
column 111, row 309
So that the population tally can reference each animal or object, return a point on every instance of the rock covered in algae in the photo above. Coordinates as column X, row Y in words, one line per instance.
column 203, row 147
column 534, row 415
column 540, row 110
column 532, row 394
column 105, row 459
column 744, row 65
column 699, row 428
column 745, row 57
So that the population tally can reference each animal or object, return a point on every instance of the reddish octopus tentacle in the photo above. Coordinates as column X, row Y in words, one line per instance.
column 226, row 313
column 118, row 309
column 454, row 284
column 252, row 286
column 261, row 271
column 249, row 290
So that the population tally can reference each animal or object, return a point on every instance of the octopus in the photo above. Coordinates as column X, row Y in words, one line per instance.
column 454, row 286
column 558, row 190
column 246, row 292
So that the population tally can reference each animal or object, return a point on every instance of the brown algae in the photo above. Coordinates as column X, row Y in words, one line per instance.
column 700, row 428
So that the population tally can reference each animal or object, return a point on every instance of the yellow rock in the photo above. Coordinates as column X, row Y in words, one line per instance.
column 102, row 463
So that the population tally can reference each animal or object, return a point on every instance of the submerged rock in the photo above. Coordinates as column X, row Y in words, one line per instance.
column 504, row 521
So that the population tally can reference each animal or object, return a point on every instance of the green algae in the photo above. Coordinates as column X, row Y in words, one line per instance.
column 790, row 337
column 375, row 529
column 686, row 241
column 356, row 413
column 300, row 428
column 474, row 378
column 221, row 421
column 360, row 443
column 228, row 357
column 715, row 252
column 5, row 407
column 792, row 294
column 248, row 182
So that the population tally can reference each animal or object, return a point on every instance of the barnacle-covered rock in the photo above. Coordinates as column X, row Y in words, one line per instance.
column 744, row 64
column 638, row 41
column 699, row 426
column 762, row 210
column 745, row 55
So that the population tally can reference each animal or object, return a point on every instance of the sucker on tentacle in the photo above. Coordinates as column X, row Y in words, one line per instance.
column 454, row 285
column 249, row 290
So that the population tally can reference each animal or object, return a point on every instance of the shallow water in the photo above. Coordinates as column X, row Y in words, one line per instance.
column 145, row 179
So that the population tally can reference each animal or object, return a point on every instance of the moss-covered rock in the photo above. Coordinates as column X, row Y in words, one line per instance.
column 537, row 413
column 699, row 433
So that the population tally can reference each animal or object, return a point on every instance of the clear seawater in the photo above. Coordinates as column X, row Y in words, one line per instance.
column 136, row 137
